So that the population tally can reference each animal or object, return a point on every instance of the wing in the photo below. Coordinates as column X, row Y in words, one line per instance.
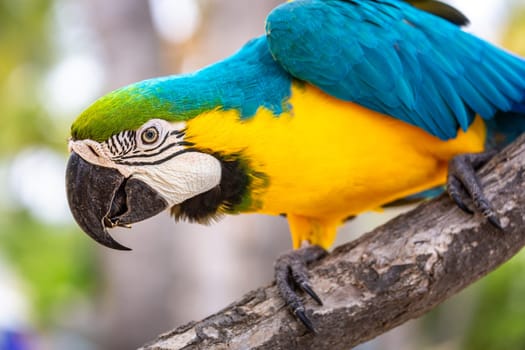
column 395, row 59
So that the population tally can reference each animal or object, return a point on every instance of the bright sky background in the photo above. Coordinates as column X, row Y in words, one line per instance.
column 486, row 16
column 175, row 21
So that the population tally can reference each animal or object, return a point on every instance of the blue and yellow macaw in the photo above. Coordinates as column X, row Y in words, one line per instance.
column 342, row 107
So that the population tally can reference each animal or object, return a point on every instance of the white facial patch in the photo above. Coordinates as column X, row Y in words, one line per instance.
column 157, row 155
column 182, row 177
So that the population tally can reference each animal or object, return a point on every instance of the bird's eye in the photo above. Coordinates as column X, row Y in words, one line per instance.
column 150, row 136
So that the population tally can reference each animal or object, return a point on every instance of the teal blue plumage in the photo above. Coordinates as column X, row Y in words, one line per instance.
column 398, row 60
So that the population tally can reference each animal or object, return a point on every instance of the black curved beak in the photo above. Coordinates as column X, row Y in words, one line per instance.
column 101, row 198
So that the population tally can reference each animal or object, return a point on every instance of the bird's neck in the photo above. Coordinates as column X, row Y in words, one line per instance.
column 244, row 82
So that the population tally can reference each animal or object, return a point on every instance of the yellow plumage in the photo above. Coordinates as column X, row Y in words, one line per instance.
column 327, row 159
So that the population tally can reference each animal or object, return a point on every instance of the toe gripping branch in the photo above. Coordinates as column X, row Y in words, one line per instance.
column 291, row 273
column 464, row 187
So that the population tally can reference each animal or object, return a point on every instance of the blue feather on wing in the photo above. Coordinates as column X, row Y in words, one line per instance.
column 393, row 58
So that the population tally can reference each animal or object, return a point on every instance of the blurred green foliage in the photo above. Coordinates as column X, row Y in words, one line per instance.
column 26, row 47
column 54, row 262
column 498, row 321
column 514, row 37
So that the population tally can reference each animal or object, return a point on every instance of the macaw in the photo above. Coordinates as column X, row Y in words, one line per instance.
column 340, row 108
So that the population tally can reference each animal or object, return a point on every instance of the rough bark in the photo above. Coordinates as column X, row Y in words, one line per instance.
column 397, row 272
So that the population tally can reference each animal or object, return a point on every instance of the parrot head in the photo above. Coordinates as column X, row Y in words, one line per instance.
column 129, row 161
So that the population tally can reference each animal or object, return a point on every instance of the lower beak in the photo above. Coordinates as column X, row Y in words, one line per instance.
column 101, row 198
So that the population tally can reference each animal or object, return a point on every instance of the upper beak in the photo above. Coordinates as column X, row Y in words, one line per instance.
column 101, row 197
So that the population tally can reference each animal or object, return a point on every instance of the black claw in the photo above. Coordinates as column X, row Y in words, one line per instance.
column 457, row 193
column 460, row 203
column 463, row 185
column 290, row 272
column 493, row 219
column 301, row 315
column 309, row 290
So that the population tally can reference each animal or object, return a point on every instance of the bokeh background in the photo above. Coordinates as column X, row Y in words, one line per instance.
column 58, row 290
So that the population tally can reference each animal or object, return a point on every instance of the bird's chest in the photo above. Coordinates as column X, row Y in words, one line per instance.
column 344, row 174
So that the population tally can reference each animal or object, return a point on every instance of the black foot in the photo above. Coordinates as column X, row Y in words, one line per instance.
column 290, row 273
column 463, row 185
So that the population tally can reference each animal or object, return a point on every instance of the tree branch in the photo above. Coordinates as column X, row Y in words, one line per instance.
column 397, row 272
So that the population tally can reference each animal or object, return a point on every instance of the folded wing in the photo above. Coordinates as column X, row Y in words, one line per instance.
column 391, row 57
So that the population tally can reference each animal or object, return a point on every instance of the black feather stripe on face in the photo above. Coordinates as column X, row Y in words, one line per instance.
column 221, row 199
